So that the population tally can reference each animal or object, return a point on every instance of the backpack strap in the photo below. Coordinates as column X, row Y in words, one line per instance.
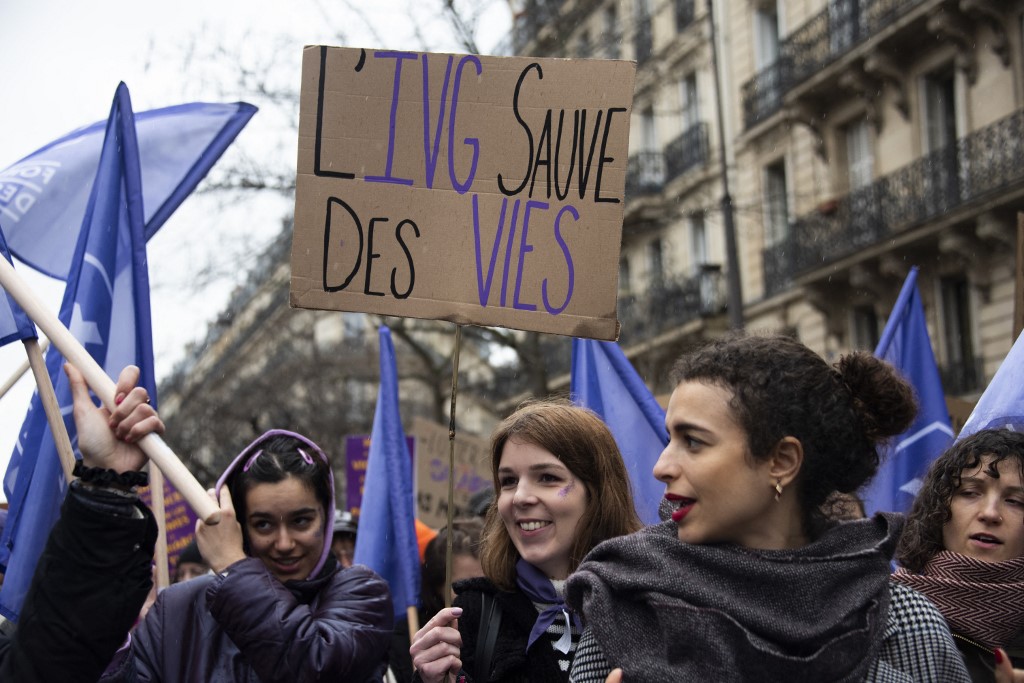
column 487, row 636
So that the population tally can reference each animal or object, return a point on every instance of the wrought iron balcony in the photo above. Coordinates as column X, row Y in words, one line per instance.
column 643, row 41
column 817, row 43
column 684, row 14
column 978, row 166
column 645, row 174
column 762, row 94
column 686, row 152
column 671, row 303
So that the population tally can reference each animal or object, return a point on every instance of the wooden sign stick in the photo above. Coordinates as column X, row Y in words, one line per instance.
column 104, row 387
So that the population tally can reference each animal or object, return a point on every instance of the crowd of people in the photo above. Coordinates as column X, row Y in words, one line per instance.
column 764, row 568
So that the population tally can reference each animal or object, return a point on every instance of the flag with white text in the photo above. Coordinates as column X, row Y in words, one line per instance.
column 106, row 307
column 44, row 197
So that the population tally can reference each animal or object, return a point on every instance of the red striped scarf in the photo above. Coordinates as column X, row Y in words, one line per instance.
column 981, row 600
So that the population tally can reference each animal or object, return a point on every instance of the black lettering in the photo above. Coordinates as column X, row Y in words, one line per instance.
column 331, row 202
column 600, row 163
column 529, row 134
column 371, row 255
column 584, row 168
column 543, row 145
column 408, row 257
column 317, row 166
column 572, row 155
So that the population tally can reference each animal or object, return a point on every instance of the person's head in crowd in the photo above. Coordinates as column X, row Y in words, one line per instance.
column 190, row 564
column 465, row 561
column 343, row 542
column 786, row 431
column 282, row 489
column 480, row 501
column 561, row 486
column 971, row 502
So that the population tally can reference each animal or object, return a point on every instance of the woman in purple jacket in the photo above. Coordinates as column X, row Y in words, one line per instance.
column 279, row 607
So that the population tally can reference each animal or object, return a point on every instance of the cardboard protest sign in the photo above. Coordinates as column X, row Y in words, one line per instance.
column 480, row 190
column 472, row 471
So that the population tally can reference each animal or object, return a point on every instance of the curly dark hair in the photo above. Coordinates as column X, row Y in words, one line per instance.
column 922, row 535
column 840, row 414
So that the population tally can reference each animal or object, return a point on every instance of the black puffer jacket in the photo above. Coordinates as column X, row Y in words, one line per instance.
column 88, row 587
column 248, row 627
column 509, row 663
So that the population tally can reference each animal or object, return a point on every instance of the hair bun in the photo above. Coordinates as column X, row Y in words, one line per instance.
column 882, row 398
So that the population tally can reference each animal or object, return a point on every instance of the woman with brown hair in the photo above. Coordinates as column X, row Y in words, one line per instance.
column 963, row 547
column 562, row 488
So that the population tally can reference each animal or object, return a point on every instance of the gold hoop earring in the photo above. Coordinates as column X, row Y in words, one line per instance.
column 778, row 490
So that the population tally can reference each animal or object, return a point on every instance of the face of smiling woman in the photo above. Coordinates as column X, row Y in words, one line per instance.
column 987, row 514
column 541, row 504
column 285, row 526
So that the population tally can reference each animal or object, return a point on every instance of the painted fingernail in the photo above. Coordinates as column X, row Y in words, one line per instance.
column 456, row 611
column 999, row 656
column 118, row 399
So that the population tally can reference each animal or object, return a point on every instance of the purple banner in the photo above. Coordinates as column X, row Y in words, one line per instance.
column 180, row 521
column 357, row 452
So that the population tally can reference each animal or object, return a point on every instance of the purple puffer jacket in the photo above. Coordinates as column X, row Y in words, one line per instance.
column 249, row 627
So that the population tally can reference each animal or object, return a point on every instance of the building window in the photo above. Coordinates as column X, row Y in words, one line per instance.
column 698, row 242
column 611, row 32
column 961, row 372
column 684, row 14
column 643, row 40
column 766, row 35
column 776, row 204
column 860, row 161
column 940, row 110
column 690, row 107
column 655, row 263
column 625, row 284
column 865, row 328
column 648, row 131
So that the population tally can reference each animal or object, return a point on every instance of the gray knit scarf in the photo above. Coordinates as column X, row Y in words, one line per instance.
column 665, row 610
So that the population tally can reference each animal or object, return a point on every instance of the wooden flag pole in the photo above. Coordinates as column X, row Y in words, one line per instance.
column 156, row 496
column 50, row 405
column 104, row 387
column 451, row 470
column 20, row 372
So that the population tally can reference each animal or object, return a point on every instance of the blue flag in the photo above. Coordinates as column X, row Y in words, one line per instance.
column 44, row 197
column 1001, row 406
column 106, row 307
column 387, row 524
column 14, row 323
column 604, row 380
column 905, row 344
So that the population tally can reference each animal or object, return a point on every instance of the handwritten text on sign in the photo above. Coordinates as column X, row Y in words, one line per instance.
column 484, row 190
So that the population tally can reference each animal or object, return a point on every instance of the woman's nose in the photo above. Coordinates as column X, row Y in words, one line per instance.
column 665, row 469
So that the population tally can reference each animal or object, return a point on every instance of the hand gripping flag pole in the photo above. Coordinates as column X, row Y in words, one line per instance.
column 104, row 387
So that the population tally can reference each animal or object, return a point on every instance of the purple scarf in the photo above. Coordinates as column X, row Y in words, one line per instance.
column 539, row 589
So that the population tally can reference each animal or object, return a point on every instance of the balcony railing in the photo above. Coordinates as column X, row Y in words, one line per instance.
column 984, row 162
column 645, row 174
column 684, row 14
column 686, row 152
column 671, row 303
column 817, row 43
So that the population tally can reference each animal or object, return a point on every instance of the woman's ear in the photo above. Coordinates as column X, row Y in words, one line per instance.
column 787, row 459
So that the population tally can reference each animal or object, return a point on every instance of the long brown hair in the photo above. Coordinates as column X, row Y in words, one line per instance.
column 582, row 442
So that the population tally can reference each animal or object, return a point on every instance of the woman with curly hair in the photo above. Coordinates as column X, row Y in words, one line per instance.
column 752, row 578
column 963, row 547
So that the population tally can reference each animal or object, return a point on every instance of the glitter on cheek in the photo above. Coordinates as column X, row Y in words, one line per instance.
column 562, row 493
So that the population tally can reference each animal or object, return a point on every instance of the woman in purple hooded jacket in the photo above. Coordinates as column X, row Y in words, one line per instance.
column 279, row 607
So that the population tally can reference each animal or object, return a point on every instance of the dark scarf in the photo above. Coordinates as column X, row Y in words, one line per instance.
column 536, row 586
column 666, row 610
column 981, row 600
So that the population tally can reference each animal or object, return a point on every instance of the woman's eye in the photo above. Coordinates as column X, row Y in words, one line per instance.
column 967, row 493
column 303, row 521
column 692, row 442
column 506, row 482
column 548, row 478
column 1016, row 502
